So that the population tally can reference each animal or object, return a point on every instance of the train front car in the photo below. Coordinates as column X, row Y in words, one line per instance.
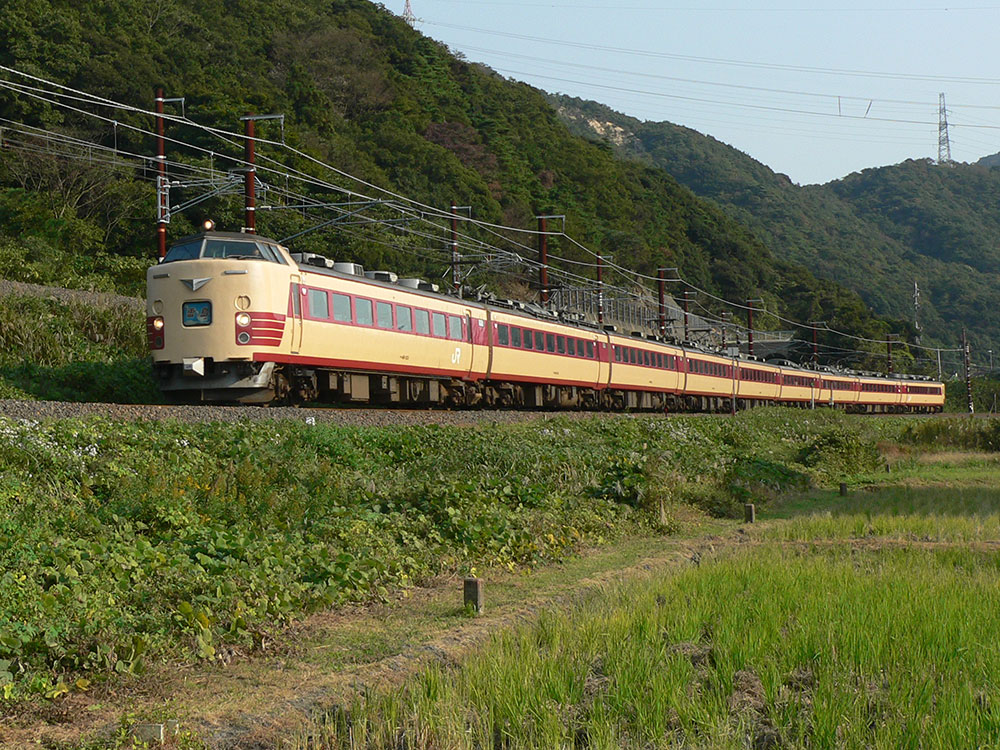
column 216, row 303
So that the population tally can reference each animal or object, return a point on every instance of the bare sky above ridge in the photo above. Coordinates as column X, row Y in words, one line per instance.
column 814, row 91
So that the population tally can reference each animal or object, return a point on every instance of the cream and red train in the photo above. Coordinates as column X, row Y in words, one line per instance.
column 235, row 317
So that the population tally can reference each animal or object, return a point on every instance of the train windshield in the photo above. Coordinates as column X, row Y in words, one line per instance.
column 224, row 248
column 187, row 251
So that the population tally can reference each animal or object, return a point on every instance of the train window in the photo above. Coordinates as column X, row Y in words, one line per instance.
column 383, row 314
column 645, row 358
column 571, row 346
column 527, row 339
column 422, row 321
column 342, row 308
column 438, row 325
column 659, row 360
column 632, row 355
column 454, row 327
column 561, row 344
column 187, row 251
column 515, row 336
column 550, row 342
column 503, row 335
column 618, row 352
column 363, row 309
column 234, row 249
column 319, row 304
column 539, row 341
column 590, row 349
column 404, row 318
column 270, row 252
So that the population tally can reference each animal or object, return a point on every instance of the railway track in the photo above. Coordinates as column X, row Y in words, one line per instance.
column 347, row 416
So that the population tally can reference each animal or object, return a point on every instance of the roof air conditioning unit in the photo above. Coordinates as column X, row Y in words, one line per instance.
column 387, row 276
column 351, row 269
column 312, row 259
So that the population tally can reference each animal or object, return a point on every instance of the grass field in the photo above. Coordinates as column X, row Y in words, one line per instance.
column 133, row 547
column 865, row 621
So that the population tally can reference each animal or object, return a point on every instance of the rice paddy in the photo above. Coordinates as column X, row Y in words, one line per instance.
column 865, row 621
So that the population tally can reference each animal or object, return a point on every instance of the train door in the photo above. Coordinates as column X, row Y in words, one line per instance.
column 475, row 338
column 297, row 294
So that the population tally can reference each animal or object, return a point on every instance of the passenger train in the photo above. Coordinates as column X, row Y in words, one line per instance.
column 237, row 317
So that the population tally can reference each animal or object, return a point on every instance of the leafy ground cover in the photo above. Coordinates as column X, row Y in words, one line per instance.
column 855, row 622
column 72, row 350
column 126, row 543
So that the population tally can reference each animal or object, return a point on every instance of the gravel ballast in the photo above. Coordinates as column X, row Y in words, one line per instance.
column 365, row 417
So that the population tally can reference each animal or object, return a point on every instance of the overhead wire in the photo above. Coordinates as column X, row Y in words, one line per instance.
column 438, row 213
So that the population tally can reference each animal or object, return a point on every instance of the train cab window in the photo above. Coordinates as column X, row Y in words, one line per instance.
column 571, row 346
column 422, row 321
column 404, row 318
column 187, row 251
column 503, row 335
column 539, row 341
column 234, row 249
column 454, row 327
column 383, row 314
column 319, row 304
column 438, row 325
column 271, row 253
column 550, row 342
column 515, row 337
column 590, row 349
column 561, row 344
column 363, row 308
column 341, row 308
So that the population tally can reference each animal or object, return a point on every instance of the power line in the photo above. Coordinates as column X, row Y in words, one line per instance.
column 438, row 213
column 719, row 61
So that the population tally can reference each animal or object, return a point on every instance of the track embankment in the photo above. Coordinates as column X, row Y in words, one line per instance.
column 364, row 417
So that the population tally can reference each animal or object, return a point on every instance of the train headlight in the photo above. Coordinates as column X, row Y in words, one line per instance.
column 243, row 338
column 158, row 323
column 243, row 320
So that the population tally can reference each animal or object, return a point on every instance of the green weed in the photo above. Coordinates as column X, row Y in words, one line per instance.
column 125, row 543
column 761, row 648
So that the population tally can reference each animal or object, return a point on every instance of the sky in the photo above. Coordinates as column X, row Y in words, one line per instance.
column 814, row 91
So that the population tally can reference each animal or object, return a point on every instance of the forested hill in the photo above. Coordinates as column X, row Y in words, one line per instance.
column 876, row 232
column 364, row 92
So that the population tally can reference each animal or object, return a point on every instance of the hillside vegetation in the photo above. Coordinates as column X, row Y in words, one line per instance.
column 368, row 94
column 875, row 232
column 65, row 348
